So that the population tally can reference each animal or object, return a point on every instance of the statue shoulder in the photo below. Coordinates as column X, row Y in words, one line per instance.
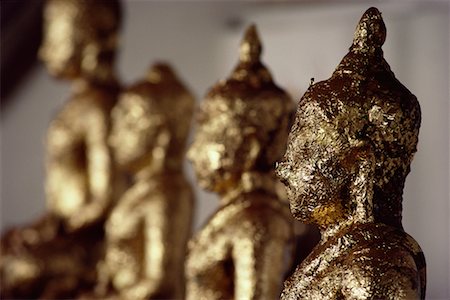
column 383, row 267
column 80, row 108
column 161, row 193
column 90, row 102
column 263, row 215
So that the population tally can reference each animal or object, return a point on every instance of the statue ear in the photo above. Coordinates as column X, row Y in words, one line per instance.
column 162, row 138
column 362, row 161
column 161, row 143
column 252, row 150
column 89, row 58
column 159, row 150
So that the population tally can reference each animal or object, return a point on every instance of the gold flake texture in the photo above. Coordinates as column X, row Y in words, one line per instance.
column 55, row 257
column 242, row 128
column 348, row 154
column 148, row 229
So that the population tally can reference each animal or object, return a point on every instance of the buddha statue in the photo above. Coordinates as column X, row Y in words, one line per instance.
column 54, row 257
column 242, row 251
column 148, row 229
column 349, row 152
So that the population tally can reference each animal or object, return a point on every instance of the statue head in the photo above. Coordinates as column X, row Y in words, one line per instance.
column 80, row 38
column 151, row 122
column 353, row 138
column 242, row 123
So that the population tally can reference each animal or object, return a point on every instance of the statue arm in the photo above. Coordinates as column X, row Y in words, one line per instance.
column 99, row 171
column 166, row 232
column 258, row 257
column 123, row 229
column 65, row 185
column 391, row 276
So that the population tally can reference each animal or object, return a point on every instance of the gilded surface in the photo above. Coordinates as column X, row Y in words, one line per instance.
column 348, row 154
column 53, row 257
column 148, row 229
column 243, row 250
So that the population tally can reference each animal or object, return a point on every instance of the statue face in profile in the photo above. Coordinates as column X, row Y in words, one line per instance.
column 150, row 122
column 313, row 168
column 215, row 150
column 206, row 154
column 79, row 37
column 242, row 124
column 59, row 50
column 235, row 136
column 134, row 131
column 353, row 139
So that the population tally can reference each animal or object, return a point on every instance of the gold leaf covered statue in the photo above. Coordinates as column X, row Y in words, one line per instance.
column 242, row 130
column 148, row 229
column 55, row 257
column 348, row 154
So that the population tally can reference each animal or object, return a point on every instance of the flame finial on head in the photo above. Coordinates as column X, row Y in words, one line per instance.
column 365, row 54
column 370, row 32
column 251, row 48
column 160, row 71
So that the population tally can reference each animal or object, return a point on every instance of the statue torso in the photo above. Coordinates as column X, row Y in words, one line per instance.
column 147, row 233
column 210, row 267
column 68, row 131
column 83, row 121
column 361, row 262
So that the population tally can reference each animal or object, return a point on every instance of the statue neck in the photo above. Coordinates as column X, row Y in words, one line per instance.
column 389, row 204
column 83, row 84
column 152, row 171
column 249, row 182
column 80, row 85
column 101, row 73
column 356, row 208
column 330, row 231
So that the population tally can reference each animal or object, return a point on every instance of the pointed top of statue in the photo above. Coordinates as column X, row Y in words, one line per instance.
column 366, row 54
column 250, row 79
column 250, row 48
column 160, row 71
column 370, row 32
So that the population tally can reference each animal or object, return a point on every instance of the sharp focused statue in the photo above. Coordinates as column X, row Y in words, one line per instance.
column 348, row 154
column 55, row 257
column 242, row 130
column 147, row 231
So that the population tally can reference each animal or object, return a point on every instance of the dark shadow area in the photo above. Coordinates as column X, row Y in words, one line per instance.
column 21, row 32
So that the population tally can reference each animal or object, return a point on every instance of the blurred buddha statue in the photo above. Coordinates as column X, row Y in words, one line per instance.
column 80, row 40
column 148, row 229
column 348, row 154
column 241, row 253
column 55, row 257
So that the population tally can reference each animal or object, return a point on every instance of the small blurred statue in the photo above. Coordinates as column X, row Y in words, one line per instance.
column 80, row 40
column 241, row 253
column 56, row 256
column 148, row 229
column 348, row 154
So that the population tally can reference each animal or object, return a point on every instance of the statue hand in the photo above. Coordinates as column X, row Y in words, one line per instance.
column 122, row 224
column 144, row 289
column 83, row 217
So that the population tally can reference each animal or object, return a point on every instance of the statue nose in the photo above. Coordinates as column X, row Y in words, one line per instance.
column 281, row 170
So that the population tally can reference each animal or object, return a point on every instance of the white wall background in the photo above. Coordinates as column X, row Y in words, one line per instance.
column 302, row 40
